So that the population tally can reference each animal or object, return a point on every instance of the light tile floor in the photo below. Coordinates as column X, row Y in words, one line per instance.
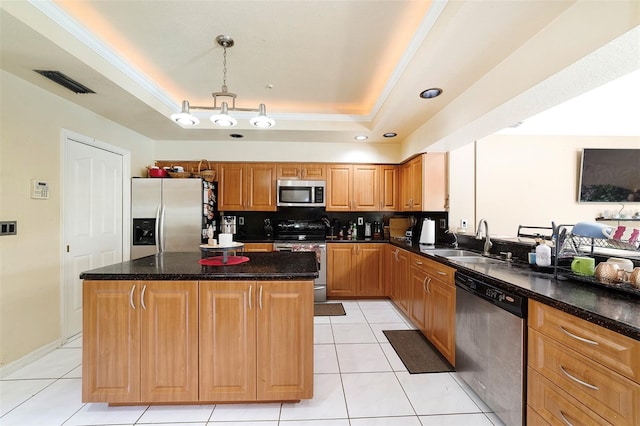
column 359, row 381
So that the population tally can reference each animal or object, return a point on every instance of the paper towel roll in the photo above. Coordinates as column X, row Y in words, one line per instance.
column 225, row 240
column 428, row 234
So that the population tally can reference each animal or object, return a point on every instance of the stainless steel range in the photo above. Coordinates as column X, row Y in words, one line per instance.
column 305, row 235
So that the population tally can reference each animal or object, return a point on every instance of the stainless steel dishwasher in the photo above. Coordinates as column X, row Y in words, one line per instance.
column 490, row 346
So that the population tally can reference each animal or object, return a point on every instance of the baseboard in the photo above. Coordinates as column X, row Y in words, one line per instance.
column 12, row 367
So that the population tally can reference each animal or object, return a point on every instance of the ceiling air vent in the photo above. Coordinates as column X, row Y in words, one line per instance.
column 64, row 81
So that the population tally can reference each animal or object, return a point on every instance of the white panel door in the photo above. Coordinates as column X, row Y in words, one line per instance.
column 93, row 220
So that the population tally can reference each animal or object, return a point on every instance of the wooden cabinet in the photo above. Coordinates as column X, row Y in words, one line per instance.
column 362, row 187
column 140, row 341
column 432, row 306
column 258, row 247
column 397, row 277
column 580, row 372
column 247, row 187
column 355, row 269
column 255, row 343
column 306, row 171
column 423, row 183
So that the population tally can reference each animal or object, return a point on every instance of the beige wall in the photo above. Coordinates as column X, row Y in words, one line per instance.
column 527, row 180
column 31, row 123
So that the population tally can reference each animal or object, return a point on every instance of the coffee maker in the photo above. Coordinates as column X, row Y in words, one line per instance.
column 228, row 225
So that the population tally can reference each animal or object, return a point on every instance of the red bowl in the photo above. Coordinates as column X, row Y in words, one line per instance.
column 158, row 173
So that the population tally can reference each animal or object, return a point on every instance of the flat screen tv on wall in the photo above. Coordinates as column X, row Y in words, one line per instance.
column 610, row 176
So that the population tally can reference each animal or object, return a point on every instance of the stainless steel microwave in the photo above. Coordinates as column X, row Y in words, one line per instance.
column 301, row 193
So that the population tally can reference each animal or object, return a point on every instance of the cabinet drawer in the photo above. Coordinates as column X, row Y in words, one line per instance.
column 613, row 350
column 614, row 397
column 554, row 406
column 433, row 268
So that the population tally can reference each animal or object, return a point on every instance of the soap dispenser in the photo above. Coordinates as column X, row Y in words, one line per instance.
column 543, row 254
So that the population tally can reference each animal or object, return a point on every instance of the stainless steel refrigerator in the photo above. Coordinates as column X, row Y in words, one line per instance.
column 166, row 215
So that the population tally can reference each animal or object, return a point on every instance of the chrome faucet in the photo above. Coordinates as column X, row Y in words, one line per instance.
column 455, row 238
column 487, row 241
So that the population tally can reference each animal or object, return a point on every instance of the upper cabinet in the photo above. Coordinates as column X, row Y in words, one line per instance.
column 362, row 187
column 294, row 171
column 423, row 183
column 247, row 186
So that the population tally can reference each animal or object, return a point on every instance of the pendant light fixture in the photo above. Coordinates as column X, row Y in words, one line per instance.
column 222, row 117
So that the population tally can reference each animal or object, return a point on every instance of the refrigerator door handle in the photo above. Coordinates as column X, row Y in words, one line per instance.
column 161, row 237
column 158, row 250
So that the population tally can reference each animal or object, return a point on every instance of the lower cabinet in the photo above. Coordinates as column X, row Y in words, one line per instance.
column 255, row 343
column 140, row 341
column 579, row 372
column 432, row 306
column 355, row 270
column 397, row 269
column 258, row 247
column 189, row 341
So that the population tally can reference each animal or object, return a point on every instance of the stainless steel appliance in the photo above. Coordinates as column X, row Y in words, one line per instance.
column 301, row 193
column 490, row 345
column 166, row 215
column 228, row 225
column 305, row 235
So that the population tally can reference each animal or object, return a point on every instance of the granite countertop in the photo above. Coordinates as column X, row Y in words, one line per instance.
column 608, row 308
column 185, row 266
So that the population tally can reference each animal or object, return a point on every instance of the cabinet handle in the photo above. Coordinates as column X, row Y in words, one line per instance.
column 131, row 297
column 575, row 379
column 301, row 173
column 567, row 422
column 418, row 262
column 581, row 339
column 395, row 254
column 250, row 296
column 260, row 297
column 144, row 289
column 428, row 286
column 442, row 273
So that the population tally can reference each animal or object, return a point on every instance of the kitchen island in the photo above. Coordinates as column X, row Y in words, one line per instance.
column 164, row 329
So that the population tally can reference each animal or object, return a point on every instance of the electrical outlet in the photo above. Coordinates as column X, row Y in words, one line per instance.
column 9, row 228
column 240, row 220
column 443, row 224
column 360, row 221
column 463, row 223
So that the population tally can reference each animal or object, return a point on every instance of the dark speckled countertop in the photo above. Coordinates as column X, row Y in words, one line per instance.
column 608, row 308
column 185, row 266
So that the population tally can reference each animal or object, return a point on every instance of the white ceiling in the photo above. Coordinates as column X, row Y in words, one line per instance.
column 327, row 70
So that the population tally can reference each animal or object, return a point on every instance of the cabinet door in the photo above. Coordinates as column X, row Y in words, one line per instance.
column 441, row 322
column 314, row 171
column 366, row 187
column 434, row 192
column 389, row 188
column 227, row 340
column 419, row 299
column 111, row 344
column 341, row 276
column 416, row 183
column 339, row 190
column 261, row 187
column 369, row 269
column 405, row 187
column 169, row 341
column 285, row 340
column 288, row 171
column 231, row 192
column 400, row 280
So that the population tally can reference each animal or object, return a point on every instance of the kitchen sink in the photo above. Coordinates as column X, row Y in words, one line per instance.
column 475, row 259
column 450, row 253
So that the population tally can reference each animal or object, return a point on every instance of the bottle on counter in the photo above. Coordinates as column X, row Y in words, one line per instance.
column 354, row 231
column 543, row 254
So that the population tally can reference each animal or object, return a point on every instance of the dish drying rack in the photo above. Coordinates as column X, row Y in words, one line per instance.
column 569, row 245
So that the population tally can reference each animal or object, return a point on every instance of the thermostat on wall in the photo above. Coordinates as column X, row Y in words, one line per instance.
column 39, row 189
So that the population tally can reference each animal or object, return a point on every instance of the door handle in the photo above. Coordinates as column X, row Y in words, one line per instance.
column 157, row 237
column 131, row 297
column 260, row 297
column 564, row 419
column 575, row 379
column 250, row 296
column 144, row 290
column 581, row 339
column 162, row 236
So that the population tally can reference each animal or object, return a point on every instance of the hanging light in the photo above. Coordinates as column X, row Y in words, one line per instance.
column 262, row 120
column 184, row 117
column 223, row 119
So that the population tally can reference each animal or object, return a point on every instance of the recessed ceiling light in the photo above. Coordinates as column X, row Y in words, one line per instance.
column 390, row 135
column 236, row 135
column 431, row 93
column 361, row 138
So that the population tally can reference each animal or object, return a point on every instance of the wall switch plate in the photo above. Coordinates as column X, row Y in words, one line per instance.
column 360, row 221
column 9, row 228
column 240, row 220
column 463, row 223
